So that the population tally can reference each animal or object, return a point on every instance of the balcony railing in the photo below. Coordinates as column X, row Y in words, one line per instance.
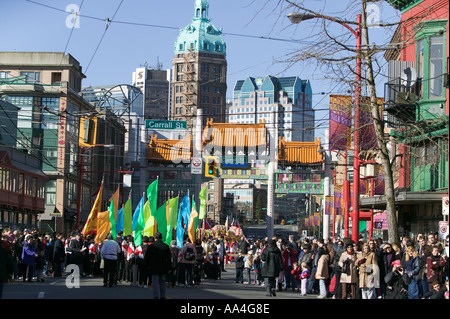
column 400, row 101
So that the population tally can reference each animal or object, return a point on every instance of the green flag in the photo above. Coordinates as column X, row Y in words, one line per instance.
column 149, row 228
column 161, row 219
column 112, row 219
column 172, row 216
column 152, row 196
column 127, row 217
column 202, row 197
column 140, row 224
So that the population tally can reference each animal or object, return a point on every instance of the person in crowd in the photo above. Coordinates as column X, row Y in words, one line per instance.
column 367, row 264
column 173, row 273
column 435, row 267
column 304, row 277
column 289, row 256
column 273, row 265
column 436, row 291
column 110, row 253
column 76, row 249
column 296, row 272
column 387, row 256
column 322, row 272
column 339, row 248
column 446, row 291
column 239, row 263
column 199, row 262
column 293, row 243
column 132, row 262
column 411, row 266
column 348, row 278
column 256, row 267
column 6, row 264
column 140, row 253
column 157, row 259
column 396, row 287
column 188, row 254
column 248, row 263
column 58, row 254
column 28, row 260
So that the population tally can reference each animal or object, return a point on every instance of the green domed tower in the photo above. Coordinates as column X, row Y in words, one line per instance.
column 199, row 69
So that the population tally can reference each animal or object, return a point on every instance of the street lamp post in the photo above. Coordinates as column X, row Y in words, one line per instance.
column 295, row 17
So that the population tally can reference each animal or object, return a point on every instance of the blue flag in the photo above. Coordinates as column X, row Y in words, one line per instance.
column 139, row 207
column 183, row 212
column 119, row 224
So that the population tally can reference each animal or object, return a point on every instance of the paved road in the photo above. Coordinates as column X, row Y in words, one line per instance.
column 92, row 288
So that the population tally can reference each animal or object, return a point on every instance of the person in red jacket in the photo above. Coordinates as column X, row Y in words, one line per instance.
column 289, row 256
column 435, row 267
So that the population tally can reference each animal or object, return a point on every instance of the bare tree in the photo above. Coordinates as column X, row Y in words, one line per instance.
column 337, row 55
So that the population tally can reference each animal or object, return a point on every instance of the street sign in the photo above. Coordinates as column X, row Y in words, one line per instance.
column 196, row 165
column 445, row 208
column 443, row 229
column 165, row 125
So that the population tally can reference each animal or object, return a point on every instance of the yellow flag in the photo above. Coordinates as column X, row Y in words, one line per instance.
column 91, row 224
column 116, row 202
column 103, row 226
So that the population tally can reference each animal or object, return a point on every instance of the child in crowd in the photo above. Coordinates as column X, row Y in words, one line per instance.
column 248, row 262
column 257, row 269
column 304, row 276
column 296, row 272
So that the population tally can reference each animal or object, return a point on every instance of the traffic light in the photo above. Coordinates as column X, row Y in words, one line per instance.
column 88, row 131
column 211, row 166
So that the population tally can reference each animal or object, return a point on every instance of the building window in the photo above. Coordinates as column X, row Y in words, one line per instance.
column 436, row 67
column 32, row 77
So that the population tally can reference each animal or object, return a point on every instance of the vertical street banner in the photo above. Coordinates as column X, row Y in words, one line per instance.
column 338, row 199
column 340, row 122
column 329, row 205
column 368, row 139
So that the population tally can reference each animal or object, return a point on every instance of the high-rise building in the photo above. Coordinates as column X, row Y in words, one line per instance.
column 289, row 98
column 199, row 70
column 155, row 86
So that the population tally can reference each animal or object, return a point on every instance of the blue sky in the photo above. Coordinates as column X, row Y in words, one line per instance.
column 28, row 26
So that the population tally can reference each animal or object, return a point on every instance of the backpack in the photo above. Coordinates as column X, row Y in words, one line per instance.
column 189, row 254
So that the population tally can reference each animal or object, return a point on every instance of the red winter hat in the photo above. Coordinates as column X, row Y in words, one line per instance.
column 396, row 263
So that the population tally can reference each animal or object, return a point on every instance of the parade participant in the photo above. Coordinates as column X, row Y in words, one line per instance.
column 110, row 253
column 188, row 254
column 157, row 260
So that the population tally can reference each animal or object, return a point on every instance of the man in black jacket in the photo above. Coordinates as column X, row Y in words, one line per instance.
column 158, row 262
column 58, row 255
column 273, row 264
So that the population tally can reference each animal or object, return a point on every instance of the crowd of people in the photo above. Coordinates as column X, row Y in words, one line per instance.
column 343, row 269
column 333, row 268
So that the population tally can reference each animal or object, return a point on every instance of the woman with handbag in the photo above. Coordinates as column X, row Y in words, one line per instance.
column 410, row 263
column 368, row 272
column 347, row 262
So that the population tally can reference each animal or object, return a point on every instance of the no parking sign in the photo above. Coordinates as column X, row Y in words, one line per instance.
column 445, row 207
column 443, row 229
